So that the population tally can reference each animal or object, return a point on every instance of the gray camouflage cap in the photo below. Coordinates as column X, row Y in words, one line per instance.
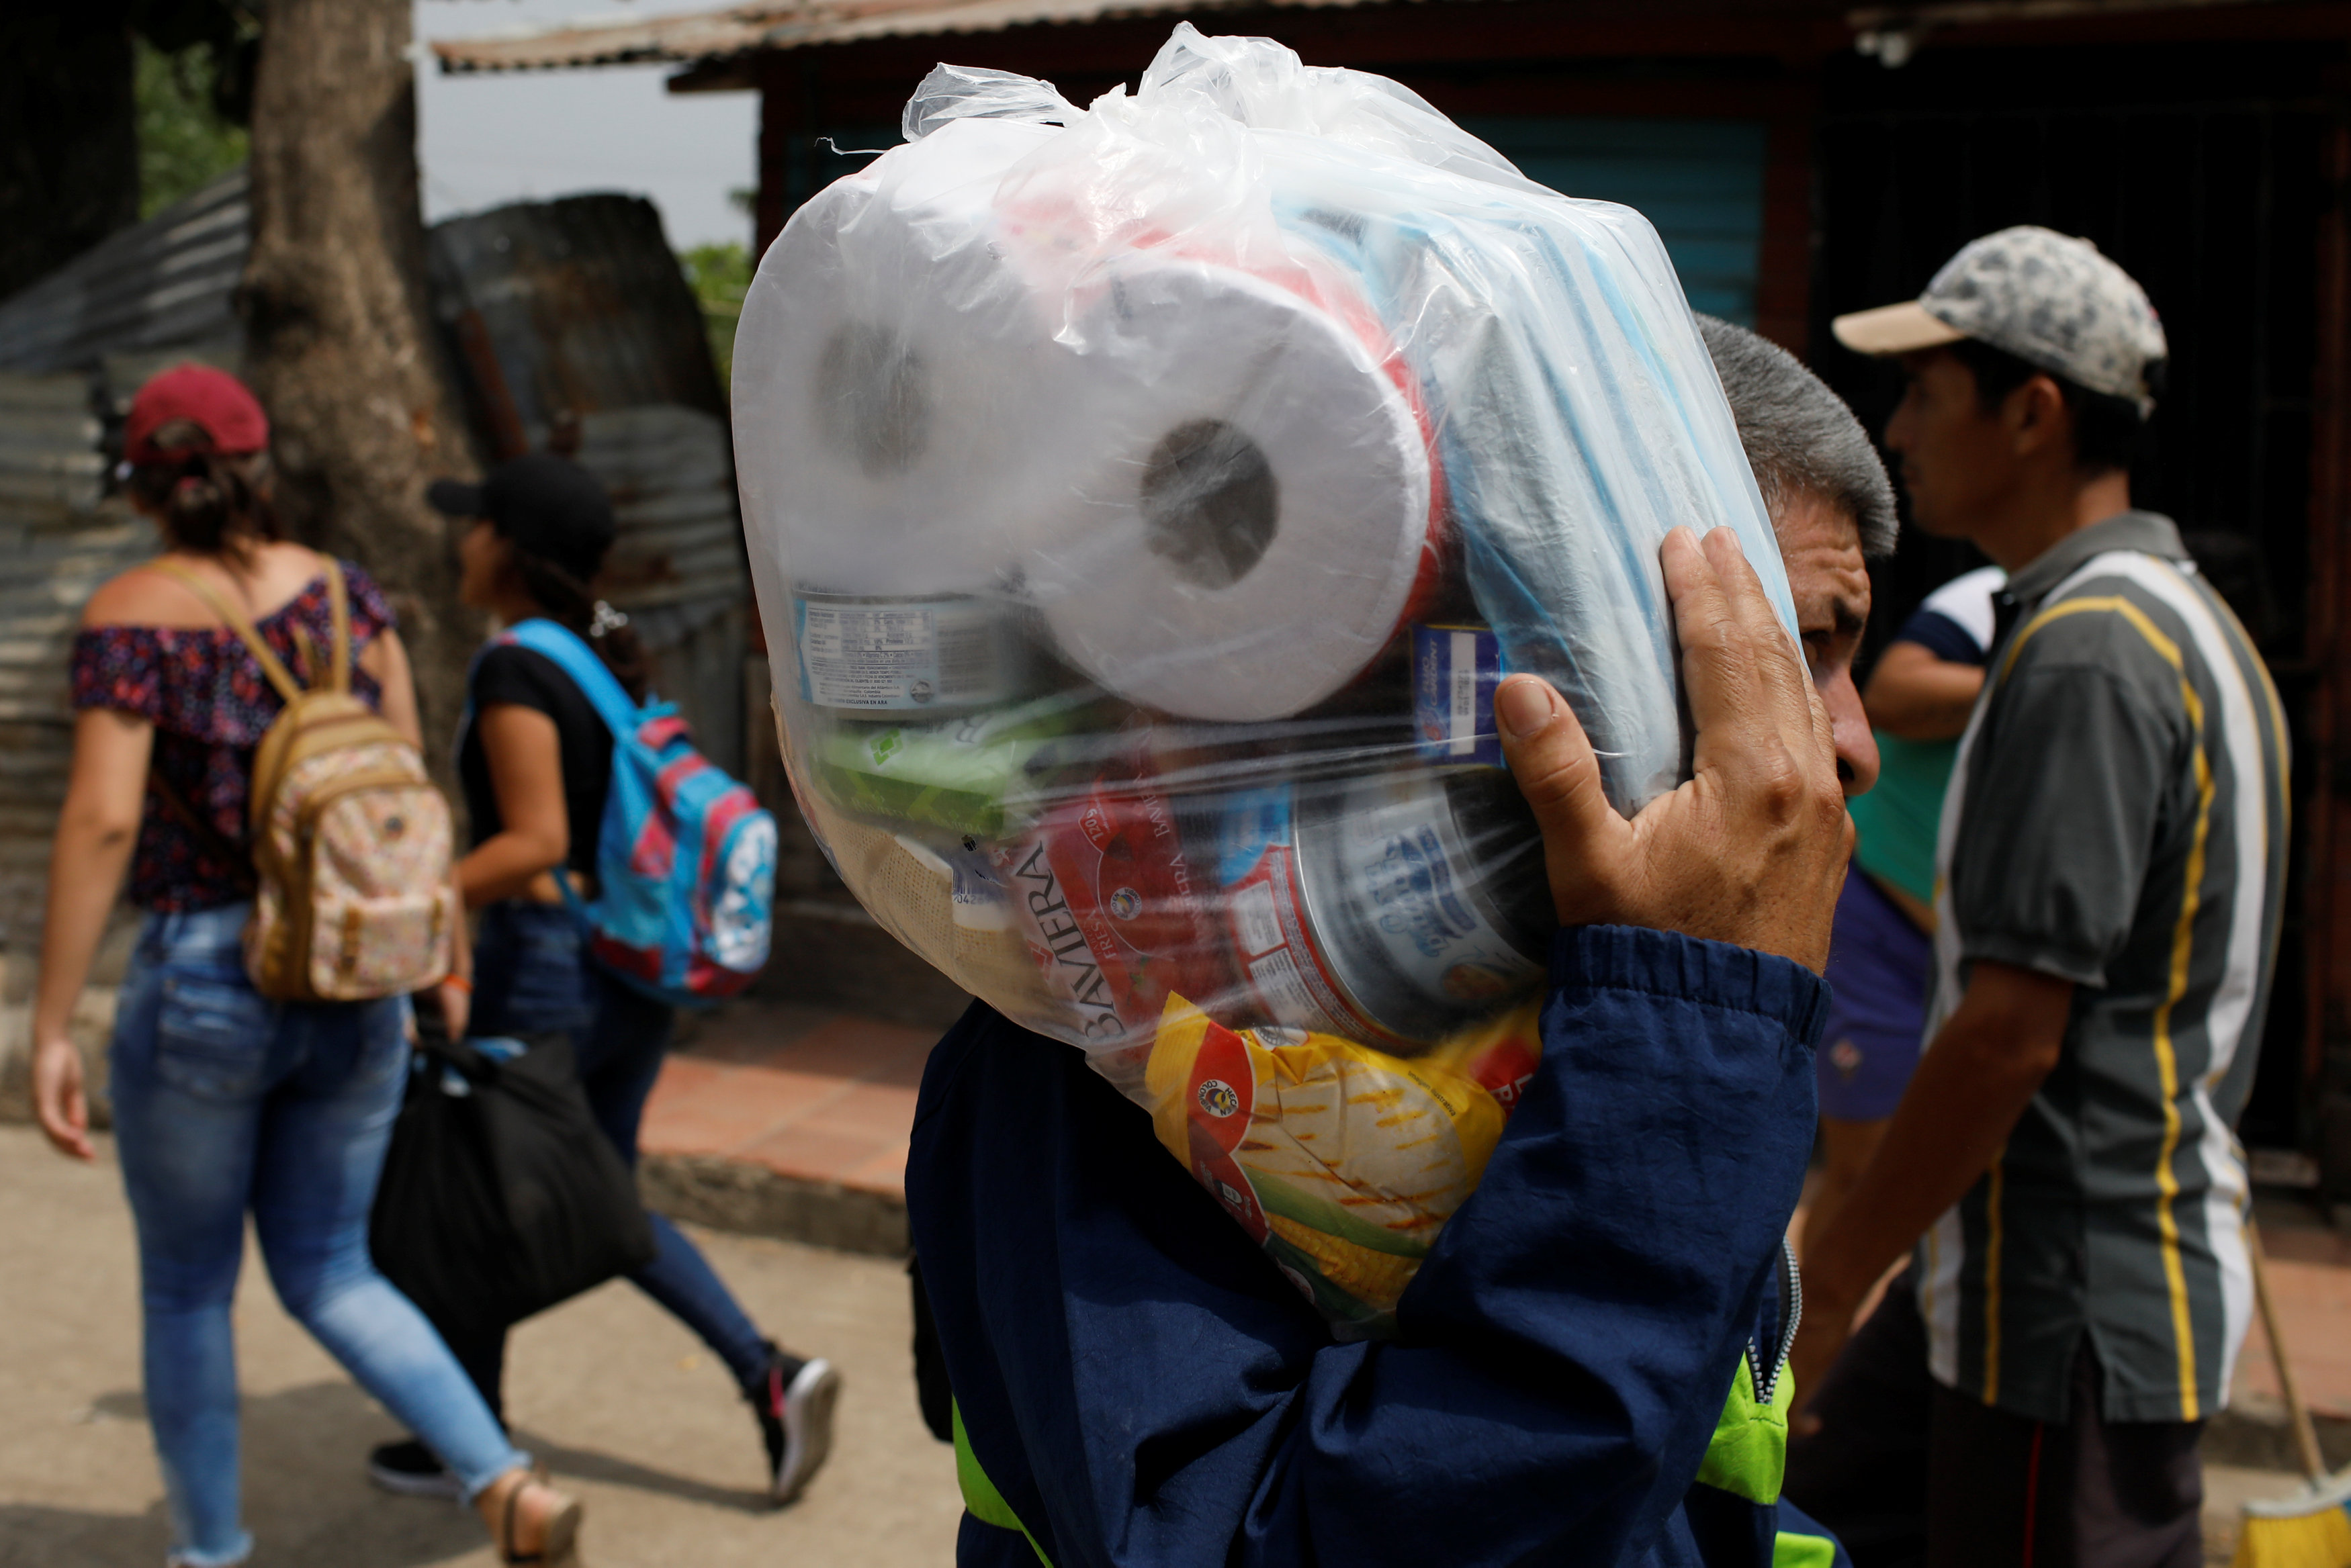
column 2048, row 299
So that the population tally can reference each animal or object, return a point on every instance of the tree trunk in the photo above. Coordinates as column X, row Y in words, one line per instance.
column 68, row 136
column 342, row 346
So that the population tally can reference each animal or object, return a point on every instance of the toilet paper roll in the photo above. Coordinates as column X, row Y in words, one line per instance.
column 1260, row 515
column 893, row 371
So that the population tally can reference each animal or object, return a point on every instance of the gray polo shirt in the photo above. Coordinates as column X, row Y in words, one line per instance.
column 2117, row 818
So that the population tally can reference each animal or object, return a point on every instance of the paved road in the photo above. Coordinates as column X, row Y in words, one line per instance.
column 625, row 1405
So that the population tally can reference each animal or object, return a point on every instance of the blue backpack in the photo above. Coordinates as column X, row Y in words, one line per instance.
column 685, row 856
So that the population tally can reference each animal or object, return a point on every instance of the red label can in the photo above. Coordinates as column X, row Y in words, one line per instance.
column 1111, row 907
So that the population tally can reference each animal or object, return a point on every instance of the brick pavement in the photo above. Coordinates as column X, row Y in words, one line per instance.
column 2310, row 1276
column 787, row 1119
column 812, row 1094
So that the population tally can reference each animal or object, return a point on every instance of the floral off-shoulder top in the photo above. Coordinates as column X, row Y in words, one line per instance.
column 210, row 704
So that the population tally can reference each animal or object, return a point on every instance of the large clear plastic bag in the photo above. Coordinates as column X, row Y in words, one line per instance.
column 1144, row 502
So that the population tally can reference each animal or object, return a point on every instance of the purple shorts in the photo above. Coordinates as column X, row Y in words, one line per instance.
column 1878, row 968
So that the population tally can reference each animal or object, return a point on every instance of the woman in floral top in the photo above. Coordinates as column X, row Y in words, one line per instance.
column 225, row 1103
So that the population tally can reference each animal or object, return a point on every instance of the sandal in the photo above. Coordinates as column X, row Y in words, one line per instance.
column 558, row 1533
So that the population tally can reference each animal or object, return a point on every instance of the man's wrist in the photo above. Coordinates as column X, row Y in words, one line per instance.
column 1655, row 959
column 1833, row 1285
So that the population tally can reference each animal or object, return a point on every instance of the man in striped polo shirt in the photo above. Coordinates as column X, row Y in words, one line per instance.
column 2110, row 875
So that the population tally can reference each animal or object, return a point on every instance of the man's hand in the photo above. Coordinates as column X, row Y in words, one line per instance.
column 1974, row 1080
column 59, row 1099
column 1752, row 849
column 1820, row 1339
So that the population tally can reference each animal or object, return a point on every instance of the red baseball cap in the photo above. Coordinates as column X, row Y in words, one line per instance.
column 213, row 400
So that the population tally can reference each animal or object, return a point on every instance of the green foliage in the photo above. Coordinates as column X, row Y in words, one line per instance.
column 184, row 143
column 719, row 274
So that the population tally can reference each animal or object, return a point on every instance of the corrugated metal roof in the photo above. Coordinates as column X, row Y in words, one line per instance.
column 694, row 36
column 743, row 29
column 168, row 282
column 711, row 36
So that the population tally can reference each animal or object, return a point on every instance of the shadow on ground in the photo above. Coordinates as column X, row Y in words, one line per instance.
column 587, row 1465
column 307, row 1499
column 32, row 1536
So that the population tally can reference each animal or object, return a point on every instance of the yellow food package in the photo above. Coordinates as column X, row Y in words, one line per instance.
column 1342, row 1161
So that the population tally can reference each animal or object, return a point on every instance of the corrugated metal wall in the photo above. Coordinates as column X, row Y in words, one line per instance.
column 58, row 540
column 167, row 283
column 574, row 322
column 677, row 568
column 569, row 308
column 73, row 347
column 573, row 307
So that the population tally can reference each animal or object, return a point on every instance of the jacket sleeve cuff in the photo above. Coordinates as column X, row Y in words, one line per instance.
column 1586, row 960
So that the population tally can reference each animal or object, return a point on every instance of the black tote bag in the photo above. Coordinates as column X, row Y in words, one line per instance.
column 502, row 1197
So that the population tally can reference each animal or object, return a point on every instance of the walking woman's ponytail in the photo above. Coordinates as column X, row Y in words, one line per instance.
column 558, row 524
column 202, row 499
column 568, row 602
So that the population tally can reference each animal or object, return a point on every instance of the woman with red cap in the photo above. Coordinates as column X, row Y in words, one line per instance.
column 227, row 1102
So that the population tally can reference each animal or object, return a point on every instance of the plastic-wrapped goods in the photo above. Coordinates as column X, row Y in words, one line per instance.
column 1342, row 1161
column 1144, row 502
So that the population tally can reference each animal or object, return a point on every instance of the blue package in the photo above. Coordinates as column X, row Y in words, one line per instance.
column 1455, row 670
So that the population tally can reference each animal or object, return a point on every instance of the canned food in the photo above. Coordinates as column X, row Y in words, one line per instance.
column 1112, row 910
column 1390, row 909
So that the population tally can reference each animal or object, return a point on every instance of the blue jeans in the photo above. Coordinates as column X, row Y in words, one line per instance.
column 532, row 974
column 225, row 1103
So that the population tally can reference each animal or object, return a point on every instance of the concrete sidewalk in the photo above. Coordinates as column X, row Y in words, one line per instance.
column 626, row 1406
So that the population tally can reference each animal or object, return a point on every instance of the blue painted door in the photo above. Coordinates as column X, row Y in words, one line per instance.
column 1700, row 181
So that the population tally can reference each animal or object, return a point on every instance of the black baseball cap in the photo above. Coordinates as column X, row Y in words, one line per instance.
column 546, row 504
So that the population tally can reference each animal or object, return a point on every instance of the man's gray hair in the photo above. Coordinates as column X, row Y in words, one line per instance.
column 1799, row 435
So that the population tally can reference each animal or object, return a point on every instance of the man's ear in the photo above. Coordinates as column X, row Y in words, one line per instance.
column 2038, row 417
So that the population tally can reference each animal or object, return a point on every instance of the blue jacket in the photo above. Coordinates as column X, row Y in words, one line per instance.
column 1144, row 1388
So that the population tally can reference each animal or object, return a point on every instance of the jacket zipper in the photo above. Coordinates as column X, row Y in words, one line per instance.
column 1766, row 1384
